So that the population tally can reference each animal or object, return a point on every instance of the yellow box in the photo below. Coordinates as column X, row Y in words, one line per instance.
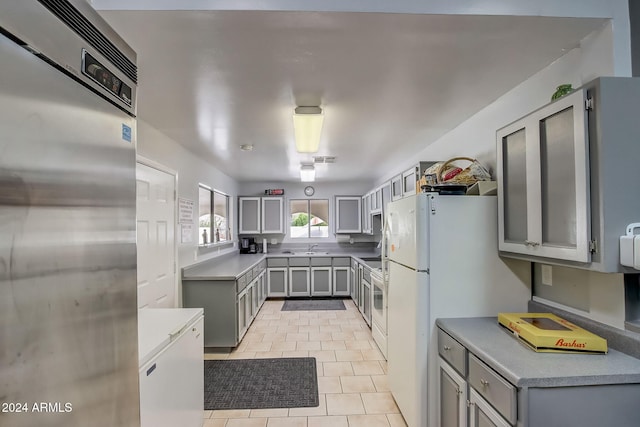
column 546, row 332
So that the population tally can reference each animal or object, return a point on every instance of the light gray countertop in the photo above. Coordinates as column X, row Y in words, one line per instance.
column 524, row 367
column 231, row 267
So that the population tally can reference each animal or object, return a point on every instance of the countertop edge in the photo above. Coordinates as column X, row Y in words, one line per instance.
column 542, row 382
column 185, row 275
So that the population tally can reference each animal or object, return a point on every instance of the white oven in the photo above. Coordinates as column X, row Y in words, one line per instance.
column 379, row 310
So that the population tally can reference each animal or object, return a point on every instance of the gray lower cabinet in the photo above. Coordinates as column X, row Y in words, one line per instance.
column 481, row 414
column 299, row 285
column 472, row 393
column 277, row 277
column 321, row 281
column 341, row 276
column 453, row 397
column 229, row 305
column 277, row 281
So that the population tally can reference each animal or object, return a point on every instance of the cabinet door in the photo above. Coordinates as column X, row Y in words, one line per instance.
column 409, row 179
column 564, row 180
column 543, row 182
column 396, row 188
column 341, row 277
column 299, row 282
column 352, row 279
column 242, row 314
column 277, row 282
column 481, row 414
column 264, row 286
column 255, row 297
column 348, row 212
column 272, row 215
column 453, row 397
column 248, row 311
column 320, row 281
column 366, row 214
column 249, row 215
column 366, row 301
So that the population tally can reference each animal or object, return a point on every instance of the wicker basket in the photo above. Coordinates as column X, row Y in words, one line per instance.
column 468, row 176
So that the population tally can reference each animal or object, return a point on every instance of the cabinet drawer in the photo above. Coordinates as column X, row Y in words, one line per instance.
column 354, row 263
column 366, row 275
column 453, row 352
column 249, row 276
column 256, row 271
column 242, row 283
column 496, row 390
column 277, row 262
column 341, row 262
column 321, row 262
column 299, row 262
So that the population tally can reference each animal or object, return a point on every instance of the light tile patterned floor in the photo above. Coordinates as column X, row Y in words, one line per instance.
column 352, row 373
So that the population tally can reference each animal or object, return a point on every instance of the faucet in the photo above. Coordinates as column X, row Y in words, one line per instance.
column 312, row 246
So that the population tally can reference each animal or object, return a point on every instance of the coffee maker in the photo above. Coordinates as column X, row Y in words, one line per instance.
column 248, row 245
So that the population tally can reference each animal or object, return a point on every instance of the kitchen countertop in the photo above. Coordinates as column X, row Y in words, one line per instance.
column 526, row 368
column 233, row 266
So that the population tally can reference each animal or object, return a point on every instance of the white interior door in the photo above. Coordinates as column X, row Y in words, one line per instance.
column 155, row 213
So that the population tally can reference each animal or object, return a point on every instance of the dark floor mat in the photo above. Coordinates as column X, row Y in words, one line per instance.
column 313, row 304
column 260, row 383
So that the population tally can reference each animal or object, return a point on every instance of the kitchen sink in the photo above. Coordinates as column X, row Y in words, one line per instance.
column 307, row 253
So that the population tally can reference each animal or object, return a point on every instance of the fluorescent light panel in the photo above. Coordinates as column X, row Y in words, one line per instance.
column 307, row 173
column 307, row 124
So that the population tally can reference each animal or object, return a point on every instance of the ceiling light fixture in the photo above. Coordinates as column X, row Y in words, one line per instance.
column 307, row 124
column 307, row 173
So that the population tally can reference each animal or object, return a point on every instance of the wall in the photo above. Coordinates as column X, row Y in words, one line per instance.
column 323, row 190
column 192, row 171
column 596, row 296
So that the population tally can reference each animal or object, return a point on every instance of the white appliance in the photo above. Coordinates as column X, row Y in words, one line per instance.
column 379, row 310
column 170, row 351
column 443, row 262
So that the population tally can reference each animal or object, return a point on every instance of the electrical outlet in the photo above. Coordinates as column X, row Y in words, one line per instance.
column 547, row 275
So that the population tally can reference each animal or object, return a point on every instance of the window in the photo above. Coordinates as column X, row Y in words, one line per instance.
column 309, row 218
column 218, row 230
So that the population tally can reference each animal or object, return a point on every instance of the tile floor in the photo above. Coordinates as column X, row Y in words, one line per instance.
column 352, row 379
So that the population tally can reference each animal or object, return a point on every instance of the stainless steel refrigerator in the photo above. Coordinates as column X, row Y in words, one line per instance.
column 68, row 312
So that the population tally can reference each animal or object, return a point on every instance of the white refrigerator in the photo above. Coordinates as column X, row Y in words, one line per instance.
column 443, row 262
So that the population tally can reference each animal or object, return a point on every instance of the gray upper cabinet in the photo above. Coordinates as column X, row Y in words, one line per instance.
column 409, row 181
column 348, row 214
column 249, row 215
column 560, row 171
column 260, row 215
column 272, row 215
column 396, row 188
column 543, row 182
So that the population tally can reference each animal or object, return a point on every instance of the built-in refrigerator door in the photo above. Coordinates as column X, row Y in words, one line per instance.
column 407, row 340
column 67, row 249
column 407, row 239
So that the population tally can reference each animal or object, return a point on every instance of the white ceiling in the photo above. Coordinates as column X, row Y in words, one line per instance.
column 389, row 84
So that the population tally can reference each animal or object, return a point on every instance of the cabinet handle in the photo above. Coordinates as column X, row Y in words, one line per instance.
column 458, row 391
column 470, row 403
column 484, row 382
column 530, row 243
column 446, row 348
